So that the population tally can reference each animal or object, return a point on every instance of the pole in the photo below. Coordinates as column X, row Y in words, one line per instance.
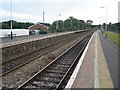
column 57, row 24
column 11, row 21
column 11, row 35
column 78, row 24
column 71, row 24
column 57, row 27
column 11, row 15
column 43, row 18
column 106, row 18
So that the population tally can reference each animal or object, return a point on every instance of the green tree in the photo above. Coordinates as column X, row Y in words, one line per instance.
column 60, row 26
column 53, row 27
column 110, row 26
column 89, row 23
column 117, row 26
column 104, row 25
column 69, row 24
column 15, row 25
column 81, row 25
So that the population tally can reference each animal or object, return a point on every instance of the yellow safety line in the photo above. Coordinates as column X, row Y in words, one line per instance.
column 105, row 80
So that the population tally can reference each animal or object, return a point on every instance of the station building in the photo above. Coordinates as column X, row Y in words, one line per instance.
column 35, row 29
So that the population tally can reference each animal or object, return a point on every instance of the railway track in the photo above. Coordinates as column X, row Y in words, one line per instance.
column 17, row 62
column 56, row 74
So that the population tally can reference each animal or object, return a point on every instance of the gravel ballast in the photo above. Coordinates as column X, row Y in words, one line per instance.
column 20, row 75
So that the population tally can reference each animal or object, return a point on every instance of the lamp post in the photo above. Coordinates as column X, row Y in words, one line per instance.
column 106, row 15
column 100, row 21
column 71, row 23
column 43, row 18
column 11, row 20
column 57, row 27
column 78, row 24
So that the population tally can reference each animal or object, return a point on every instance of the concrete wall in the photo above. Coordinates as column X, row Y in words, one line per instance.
column 18, row 32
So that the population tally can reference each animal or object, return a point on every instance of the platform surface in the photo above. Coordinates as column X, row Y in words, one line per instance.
column 85, row 76
column 99, row 68
column 110, row 51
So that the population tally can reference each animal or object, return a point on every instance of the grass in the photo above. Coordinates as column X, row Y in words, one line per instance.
column 114, row 37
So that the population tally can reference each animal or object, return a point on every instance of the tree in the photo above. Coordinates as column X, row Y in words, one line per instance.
column 72, row 24
column 104, row 25
column 60, row 26
column 81, row 25
column 110, row 26
column 5, row 25
column 69, row 24
column 117, row 26
column 15, row 25
column 89, row 23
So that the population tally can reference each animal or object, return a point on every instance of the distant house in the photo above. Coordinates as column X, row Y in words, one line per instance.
column 39, row 26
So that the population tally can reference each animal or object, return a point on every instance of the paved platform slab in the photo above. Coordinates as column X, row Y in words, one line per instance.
column 85, row 76
column 105, row 80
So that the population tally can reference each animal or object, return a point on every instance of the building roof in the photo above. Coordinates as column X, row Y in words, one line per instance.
column 46, row 24
column 38, row 26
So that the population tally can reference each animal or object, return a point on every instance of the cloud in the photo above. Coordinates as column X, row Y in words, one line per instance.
column 42, row 0
column 22, row 17
column 80, row 9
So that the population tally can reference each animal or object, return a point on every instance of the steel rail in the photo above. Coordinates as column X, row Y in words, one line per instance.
column 40, row 48
column 4, row 73
column 42, row 70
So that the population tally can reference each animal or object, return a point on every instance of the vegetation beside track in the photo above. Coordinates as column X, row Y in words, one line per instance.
column 114, row 37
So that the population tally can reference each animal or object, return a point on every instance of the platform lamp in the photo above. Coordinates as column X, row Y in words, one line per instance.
column 57, row 27
column 11, row 20
column 106, row 16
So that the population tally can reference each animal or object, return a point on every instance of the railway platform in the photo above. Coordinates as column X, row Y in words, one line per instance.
column 97, row 67
column 94, row 70
column 7, row 41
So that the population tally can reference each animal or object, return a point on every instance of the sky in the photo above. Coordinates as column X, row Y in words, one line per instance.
column 32, row 10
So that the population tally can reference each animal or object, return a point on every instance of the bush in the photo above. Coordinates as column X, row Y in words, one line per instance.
column 43, row 32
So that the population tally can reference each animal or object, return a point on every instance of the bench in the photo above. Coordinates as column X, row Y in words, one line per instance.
column 12, row 35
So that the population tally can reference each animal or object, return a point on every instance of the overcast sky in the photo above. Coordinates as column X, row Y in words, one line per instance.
column 32, row 10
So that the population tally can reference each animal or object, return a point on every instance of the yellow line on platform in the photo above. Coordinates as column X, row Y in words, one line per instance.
column 105, row 80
